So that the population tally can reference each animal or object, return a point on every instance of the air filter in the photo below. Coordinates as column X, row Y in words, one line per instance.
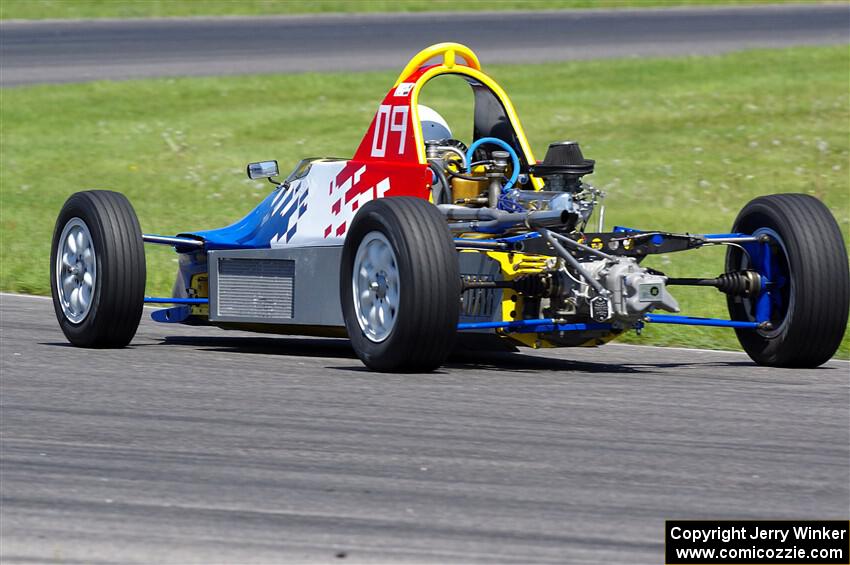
column 563, row 158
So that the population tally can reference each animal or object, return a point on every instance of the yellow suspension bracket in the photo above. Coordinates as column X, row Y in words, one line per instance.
column 199, row 287
column 514, row 265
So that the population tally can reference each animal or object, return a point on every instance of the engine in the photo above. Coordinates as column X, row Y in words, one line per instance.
column 577, row 281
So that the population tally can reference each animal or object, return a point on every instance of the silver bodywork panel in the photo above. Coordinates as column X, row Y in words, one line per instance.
column 300, row 286
column 293, row 286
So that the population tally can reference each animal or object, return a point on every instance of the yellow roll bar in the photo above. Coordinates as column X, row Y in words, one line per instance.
column 448, row 50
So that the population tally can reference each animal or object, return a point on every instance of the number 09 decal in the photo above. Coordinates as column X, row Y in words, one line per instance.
column 389, row 120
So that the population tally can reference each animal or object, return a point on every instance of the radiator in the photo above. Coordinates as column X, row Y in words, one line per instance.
column 256, row 288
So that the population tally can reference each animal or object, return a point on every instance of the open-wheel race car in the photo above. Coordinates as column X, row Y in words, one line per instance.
column 419, row 237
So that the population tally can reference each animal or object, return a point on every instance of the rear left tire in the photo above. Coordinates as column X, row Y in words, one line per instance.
column 400, row 285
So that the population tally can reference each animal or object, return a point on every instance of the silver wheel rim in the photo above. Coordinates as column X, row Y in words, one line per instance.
column 375, row 283
column 76, row 270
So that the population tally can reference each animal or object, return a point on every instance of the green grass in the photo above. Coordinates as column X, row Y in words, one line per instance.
column 681, row 144
column 42, row 9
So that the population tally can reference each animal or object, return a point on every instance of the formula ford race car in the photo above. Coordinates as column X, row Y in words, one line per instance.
column 419, row 237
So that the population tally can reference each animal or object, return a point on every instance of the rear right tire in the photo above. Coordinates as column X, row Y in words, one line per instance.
column 810, row 296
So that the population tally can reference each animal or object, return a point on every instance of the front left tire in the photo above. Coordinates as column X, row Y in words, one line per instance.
column 97, row 269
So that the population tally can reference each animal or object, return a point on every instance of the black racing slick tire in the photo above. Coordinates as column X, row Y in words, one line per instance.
column 810, row 298
column 97, row 270
column 400, row 285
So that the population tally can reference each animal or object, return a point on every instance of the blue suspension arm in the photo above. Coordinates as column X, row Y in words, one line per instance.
column 691, row 321
column 154, row 300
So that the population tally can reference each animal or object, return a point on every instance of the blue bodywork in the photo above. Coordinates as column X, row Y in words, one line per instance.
column 171, row 315
column 263, row 223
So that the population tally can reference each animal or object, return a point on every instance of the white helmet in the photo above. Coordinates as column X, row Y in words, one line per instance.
column 434, row 127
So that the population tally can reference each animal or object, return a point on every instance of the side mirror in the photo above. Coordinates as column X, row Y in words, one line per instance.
column 263, row 170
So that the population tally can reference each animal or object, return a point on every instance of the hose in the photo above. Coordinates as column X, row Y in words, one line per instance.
column 446, row 188
column 465, row 177
column 496, row 141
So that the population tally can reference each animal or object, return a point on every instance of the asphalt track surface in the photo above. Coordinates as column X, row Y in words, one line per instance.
column 73, row 51
column 200, row 445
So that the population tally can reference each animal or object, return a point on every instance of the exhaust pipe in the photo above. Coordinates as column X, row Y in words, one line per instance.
column 494, row 221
